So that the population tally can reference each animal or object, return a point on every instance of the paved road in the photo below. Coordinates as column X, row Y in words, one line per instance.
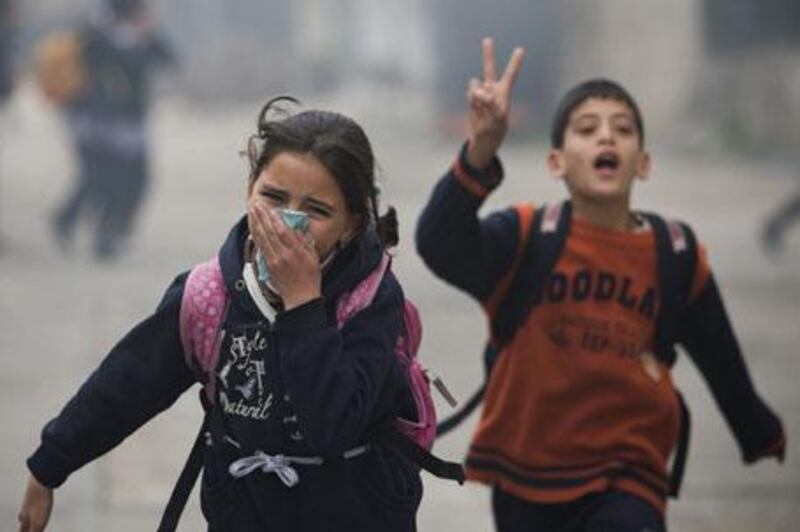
column 61, row 314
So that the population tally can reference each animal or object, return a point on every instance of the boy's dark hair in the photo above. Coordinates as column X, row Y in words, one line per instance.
column 593, row 88
column 337, row 142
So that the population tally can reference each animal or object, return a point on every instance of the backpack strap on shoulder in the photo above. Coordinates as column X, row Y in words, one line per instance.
column 551, row 225
column 351, row 303
column 201, row 314
column 552, row 216
column 676, row 259
column 202, row 311
column 525, row 214
column 188, row 477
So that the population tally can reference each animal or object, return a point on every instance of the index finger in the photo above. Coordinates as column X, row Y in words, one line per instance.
column 514, row 66
column 489, row 67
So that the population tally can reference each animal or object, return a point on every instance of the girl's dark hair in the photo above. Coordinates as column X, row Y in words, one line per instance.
column 338, row 143
column 593, row 88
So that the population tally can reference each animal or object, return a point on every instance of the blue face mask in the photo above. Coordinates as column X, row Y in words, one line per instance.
column 295, row 220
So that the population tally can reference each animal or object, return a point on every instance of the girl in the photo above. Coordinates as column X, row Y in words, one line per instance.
column 299, row 402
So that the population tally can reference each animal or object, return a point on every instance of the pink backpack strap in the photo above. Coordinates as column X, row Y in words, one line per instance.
column 351, row 303
column 677, row 236
column 413, row 327
column 421, row 430
column 552, row 214
column 201, row 315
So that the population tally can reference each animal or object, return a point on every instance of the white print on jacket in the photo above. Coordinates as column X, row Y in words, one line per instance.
column 242, row 390
column 242, row 377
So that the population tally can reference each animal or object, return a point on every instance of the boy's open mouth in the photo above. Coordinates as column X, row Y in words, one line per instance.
column 606, row 163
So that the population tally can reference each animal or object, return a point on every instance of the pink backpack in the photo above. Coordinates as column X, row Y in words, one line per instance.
column 203, row 309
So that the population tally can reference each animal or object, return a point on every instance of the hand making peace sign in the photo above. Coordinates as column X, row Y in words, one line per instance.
column 489, row 105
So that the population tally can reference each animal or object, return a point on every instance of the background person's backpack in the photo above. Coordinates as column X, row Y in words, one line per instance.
column 543, row 233
column 59, row 68
column 202, row 313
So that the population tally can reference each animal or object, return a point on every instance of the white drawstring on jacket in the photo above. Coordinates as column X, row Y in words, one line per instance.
column 281, row 464
column 278, row 464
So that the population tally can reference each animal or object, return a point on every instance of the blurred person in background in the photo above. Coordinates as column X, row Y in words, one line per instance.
column 6, row 61
column 782, row 219
column 106, row 105
column 7, row 22
column 754, row 46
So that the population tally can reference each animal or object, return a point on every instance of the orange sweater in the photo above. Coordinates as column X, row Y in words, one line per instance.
column 577, row 402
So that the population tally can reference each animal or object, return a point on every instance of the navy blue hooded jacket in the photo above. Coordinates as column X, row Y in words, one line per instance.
column 299, row 387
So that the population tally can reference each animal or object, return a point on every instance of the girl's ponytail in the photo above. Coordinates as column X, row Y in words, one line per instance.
column 387, row 228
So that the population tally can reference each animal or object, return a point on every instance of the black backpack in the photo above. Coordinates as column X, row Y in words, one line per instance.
column 543, row 233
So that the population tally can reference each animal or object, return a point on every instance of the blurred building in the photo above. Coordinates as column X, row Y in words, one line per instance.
column 752, row 50
column 653, row 48
column 249, row 49
column 677, row 57
column 231, row 50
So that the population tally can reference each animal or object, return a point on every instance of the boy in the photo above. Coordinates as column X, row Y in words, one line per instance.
column 580, row 415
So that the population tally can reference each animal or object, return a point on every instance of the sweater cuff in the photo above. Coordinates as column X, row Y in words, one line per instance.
column 308, row 317
column 777, row 449
column 47, row 468
column 480, row 182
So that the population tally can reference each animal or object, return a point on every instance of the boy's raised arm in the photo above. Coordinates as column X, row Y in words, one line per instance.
column 469, row 253
column 489, row 105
